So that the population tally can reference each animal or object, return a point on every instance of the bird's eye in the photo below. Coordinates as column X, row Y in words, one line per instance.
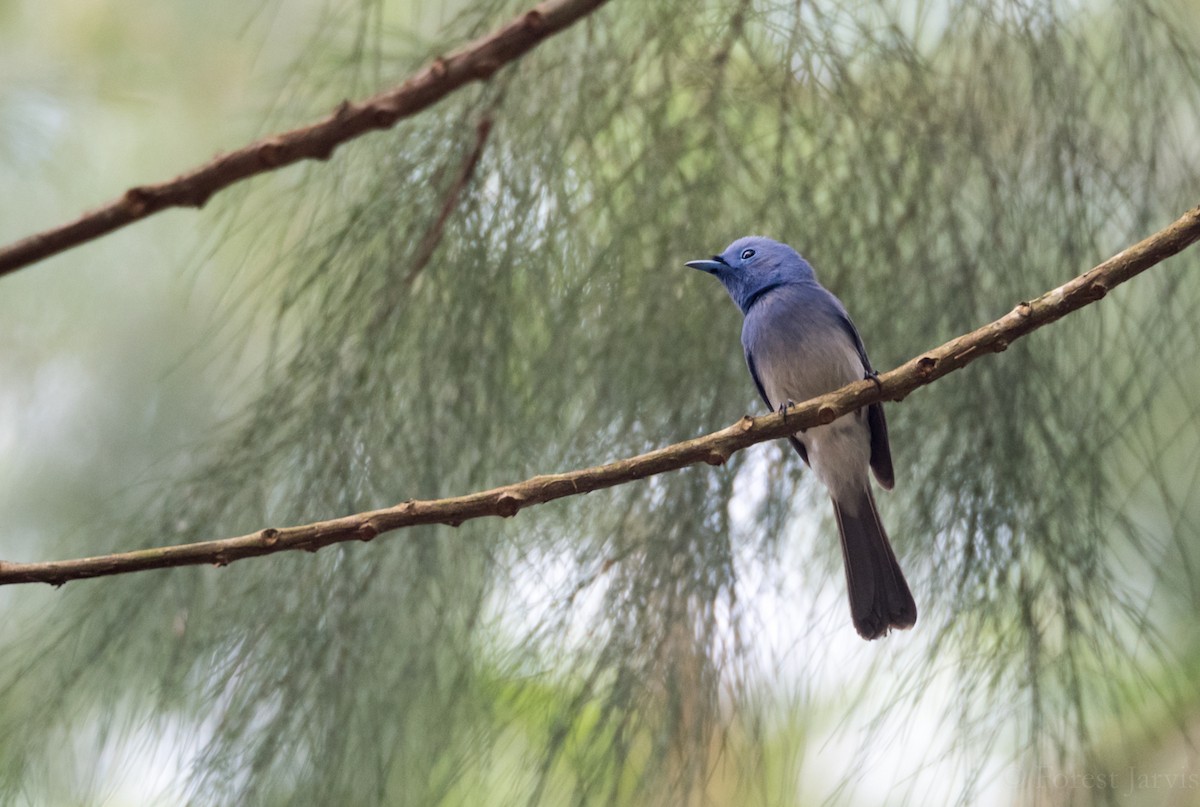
column 747, row 254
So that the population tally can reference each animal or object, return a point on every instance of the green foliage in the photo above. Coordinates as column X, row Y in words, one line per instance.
column 937, row 163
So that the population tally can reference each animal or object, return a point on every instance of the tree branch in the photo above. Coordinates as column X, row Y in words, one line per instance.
column 474, row 62
column 714, row 448
column 433, row 236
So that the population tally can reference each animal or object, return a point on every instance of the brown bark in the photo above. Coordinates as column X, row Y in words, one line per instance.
column 714, row 448
column 474, row 62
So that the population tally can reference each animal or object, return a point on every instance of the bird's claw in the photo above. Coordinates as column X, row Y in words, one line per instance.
column 872, row 375
column 783, row 408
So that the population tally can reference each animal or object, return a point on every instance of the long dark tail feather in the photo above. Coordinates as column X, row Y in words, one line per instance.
column 879, row 595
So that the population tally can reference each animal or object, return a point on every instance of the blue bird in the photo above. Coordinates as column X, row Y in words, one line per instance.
column 800, row 343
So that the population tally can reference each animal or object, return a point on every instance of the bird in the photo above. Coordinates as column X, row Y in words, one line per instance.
column 799, row 343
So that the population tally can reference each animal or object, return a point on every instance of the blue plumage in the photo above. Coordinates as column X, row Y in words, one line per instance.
column 800, row 343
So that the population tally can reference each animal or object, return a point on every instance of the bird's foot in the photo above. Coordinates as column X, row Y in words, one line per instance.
column 783, row 408
column 872, row 375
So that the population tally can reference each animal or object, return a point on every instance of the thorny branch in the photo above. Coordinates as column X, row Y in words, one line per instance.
column 713, row 448
column 477, row 61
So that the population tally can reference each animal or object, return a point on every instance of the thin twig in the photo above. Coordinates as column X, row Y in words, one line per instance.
column 474, row 62
column 714, row 448
column 433, row 236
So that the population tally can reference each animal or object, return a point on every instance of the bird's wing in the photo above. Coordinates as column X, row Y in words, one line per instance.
column 844, row 321
column 881, row 451
column 796, row 444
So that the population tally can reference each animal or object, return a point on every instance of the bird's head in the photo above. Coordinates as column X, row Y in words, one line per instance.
column 753, row 265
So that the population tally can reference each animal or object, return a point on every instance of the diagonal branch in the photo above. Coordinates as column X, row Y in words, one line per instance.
column 433, row 237
column 474, row 62
column 713, row 448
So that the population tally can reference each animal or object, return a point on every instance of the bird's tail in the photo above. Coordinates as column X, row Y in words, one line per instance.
column 879, row 595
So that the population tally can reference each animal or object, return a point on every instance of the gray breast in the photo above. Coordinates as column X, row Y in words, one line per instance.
column 800, row 350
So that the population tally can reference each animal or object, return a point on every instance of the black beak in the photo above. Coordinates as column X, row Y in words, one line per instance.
column 712, row 267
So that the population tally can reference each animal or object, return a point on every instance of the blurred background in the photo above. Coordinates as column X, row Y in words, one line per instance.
column 295, row 351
